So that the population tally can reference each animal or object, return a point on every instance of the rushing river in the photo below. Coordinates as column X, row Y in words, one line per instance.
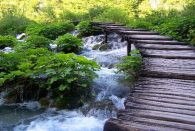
column 108, row 88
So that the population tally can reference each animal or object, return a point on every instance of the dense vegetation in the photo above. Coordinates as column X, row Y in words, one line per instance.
column 34, row 72
column 170, row 17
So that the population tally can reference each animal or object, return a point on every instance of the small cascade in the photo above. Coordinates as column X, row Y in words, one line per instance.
column 21, row 37
column 7, row 50
column 74, row 32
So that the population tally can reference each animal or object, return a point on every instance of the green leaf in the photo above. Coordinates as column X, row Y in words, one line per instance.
column 63, row 87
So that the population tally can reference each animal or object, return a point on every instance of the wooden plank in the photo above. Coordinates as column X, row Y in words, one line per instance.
column 161, row 104
column 181, row 94
column 167, row 82
column 122, row 125
column 162, row 100
column 148, row 37
column 159, row 115
column 189, row 99
column 126, row 32
column 163, row 42
column 176, row 125
column 169, row 68
column 169, row 54
column 163, row 47
column 158, row 108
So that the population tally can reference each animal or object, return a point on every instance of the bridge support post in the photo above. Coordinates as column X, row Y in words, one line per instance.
column 105, row 36
column 123, row 38
column 129, row 47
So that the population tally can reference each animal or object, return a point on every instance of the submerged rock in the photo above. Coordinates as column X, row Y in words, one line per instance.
column 101, row 47
column 104, row 47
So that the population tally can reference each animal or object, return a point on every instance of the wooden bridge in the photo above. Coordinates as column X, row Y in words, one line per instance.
column 164, row 96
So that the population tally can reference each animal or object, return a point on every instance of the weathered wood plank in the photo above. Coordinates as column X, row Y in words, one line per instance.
column 148, row 37
column 158, row 108
column 169, row 68
column 180, row 126
column 159, row 115
column 161, row 104
column 163, row 42
column 169, row 54
column 189, row 99
column 182, row 94
column 135, row 32
column 122, row 125
column 163, row 47
column 162, row 100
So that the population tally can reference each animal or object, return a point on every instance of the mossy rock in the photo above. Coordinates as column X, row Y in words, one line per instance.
column 44, row 102
column 104, row 47
column 96, row 47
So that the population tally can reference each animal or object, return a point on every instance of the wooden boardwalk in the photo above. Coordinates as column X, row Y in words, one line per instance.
column 164, row 96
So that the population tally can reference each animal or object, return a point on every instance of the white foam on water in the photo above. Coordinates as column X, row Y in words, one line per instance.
column 118, row 102
column 21, row 37
column 75, row 33
column 67, row 121
column 7, row 50
column 53, row 46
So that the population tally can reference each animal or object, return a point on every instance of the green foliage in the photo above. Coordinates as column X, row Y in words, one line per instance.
column 115, row 15
column 12, row 25
column 36, row 41
column 96, row 11
column 33, row 73
column 7, row 41
column 178, row 24
column 68, row 77
column 72, row 16
column 51, row 31
column 54, row 30
column 69, row 44
column 140, row 23
column 85, row 28
column 131, row 65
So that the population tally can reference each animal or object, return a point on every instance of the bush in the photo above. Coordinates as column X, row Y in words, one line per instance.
column 68, row 77
column 51, row 31
column 131, row 65
column 7, row 41
column 69, row 44
column 38, row 41
column 85, row 28
column 12, row 25
column 32, row 74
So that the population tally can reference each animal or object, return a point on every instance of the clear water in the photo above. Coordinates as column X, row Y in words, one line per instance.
column 110, row 94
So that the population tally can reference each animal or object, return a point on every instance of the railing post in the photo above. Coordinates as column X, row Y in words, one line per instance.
column 128, row 47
